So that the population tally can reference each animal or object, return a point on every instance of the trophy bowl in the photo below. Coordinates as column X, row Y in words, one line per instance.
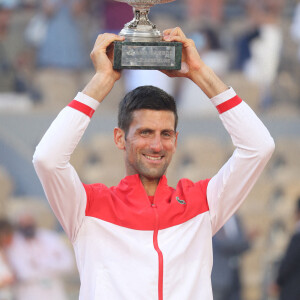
column 145, row 4
column 141, row 28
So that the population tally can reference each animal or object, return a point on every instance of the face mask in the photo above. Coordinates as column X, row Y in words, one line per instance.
column 28, row 231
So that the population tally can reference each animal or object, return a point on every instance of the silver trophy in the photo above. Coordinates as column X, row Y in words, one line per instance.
column 143, row 47
column 141, row 28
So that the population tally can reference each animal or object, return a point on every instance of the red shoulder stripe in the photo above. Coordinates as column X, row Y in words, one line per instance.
column 82, row 108
column 229, row 104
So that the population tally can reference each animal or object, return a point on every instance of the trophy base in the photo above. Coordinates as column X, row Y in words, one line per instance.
column 147, row 55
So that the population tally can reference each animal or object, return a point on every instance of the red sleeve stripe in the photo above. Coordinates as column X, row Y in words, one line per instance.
column 82, row 107
column 229, row 104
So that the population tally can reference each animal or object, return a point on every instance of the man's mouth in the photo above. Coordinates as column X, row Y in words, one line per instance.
column 154, row 158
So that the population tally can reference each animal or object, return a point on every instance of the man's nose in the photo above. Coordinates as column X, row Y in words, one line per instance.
column 156, row 143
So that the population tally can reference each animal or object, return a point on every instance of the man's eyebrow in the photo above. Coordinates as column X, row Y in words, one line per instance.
column 169, row 130
column 145, row 129
column 150, row 129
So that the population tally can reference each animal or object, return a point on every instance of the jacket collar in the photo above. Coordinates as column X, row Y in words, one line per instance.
column 132, row 186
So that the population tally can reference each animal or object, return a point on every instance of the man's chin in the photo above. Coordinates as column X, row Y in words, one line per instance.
column 153, row 174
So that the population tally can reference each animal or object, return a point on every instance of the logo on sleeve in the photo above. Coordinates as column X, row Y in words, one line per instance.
column 180, row 201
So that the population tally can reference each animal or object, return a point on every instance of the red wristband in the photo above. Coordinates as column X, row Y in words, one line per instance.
column 82, row 108
column 229, row 104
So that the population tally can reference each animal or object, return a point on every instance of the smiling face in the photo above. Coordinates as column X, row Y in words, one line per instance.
column 150, row 143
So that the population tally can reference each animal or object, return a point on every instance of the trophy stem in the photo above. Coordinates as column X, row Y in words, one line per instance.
column 141, row 28
column 140, row 19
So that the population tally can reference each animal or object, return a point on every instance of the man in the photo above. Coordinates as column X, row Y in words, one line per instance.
column 229, row 244
column 289, row 271
column 7, row 277
column 144, row 239
column 39, row 259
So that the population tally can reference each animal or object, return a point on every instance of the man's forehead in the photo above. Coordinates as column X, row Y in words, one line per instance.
column 153, row 117
column 149, row 114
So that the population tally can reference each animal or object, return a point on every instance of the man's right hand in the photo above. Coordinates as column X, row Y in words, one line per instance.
column 102, row 55
column 102, row 58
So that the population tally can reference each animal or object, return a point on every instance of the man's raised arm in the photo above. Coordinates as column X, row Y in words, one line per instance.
column 60, row 181
column 253, row 143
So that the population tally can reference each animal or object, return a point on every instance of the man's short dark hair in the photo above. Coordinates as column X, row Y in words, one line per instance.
column 144, row 97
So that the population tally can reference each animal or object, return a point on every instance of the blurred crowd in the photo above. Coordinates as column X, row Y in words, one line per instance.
column 33, row 261
column 44, row 46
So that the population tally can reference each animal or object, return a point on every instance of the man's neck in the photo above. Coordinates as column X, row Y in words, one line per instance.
column 150, row 185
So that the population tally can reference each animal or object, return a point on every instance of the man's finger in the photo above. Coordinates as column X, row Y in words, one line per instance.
column 104, row 40
column 174, row 32
column 185, row 42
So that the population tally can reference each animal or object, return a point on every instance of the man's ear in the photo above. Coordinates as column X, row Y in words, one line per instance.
column 176, row 138
column 119, row 138
column 175, row 142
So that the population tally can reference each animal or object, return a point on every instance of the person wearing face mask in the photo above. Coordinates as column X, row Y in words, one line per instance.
column 38, row 258
column 288, row 278
column 6, row 274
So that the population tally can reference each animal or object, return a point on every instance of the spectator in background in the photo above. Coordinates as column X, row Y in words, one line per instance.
column 9, row 4
column 259, row 48
column 288, row 280
column 61, row 55
column 208, row 45
column 39, row 258
column 15, row 83
column 115, row 15
column 295, row 27
column 211, row 11
column 6, row 274
column 14, row 58
column 7, row 78
column 229, row 243
column 63, row 45
column 10, row 80
column 107, row 16
column 28, row 3
column 295, row 34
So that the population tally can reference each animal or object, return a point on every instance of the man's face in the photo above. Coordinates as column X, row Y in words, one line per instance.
column 150, row 143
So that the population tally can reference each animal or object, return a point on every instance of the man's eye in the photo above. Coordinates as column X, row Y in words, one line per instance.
column 145, row 132
column 167, row 134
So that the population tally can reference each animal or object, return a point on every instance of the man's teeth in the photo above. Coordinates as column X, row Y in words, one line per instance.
column 153, row 158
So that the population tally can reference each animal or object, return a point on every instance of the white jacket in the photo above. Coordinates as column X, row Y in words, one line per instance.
column 129, row 249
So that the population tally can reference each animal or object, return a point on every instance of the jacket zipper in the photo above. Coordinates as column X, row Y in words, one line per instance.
column 160, row 255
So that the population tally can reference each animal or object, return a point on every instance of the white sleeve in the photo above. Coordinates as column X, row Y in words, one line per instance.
column 254, row 147
column 59, row 179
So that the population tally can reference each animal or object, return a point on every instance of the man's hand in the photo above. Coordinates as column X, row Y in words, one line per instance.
column 102, row 55
column 192, row 66
column 191, row 61
column 102, row 58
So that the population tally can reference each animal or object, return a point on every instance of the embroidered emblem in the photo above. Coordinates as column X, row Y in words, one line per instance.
column 180, row 201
